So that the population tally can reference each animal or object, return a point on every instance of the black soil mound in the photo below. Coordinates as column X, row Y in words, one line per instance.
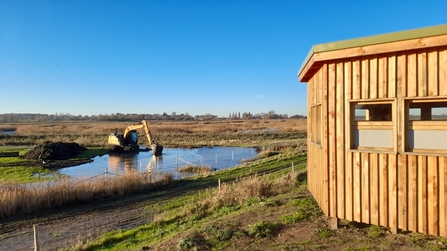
column 54, row 151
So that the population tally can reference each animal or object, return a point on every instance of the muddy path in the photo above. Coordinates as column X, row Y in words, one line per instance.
column 69, row 226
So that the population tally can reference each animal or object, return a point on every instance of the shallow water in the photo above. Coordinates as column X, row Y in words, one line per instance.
column 217, row 158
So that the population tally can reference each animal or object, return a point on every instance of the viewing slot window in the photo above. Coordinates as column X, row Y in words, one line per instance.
column 426, row 125
column 372, row 125
column 315, row 130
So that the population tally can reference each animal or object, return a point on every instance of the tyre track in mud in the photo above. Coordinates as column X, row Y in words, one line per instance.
column 71, row 225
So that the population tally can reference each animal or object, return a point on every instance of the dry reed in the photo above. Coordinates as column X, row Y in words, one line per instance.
column 255, row 186
column 28, row 198
column 227, row 126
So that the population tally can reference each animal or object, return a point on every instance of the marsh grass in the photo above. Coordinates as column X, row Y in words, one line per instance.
column 195, row 169
column 28, row 198
column 25, row 174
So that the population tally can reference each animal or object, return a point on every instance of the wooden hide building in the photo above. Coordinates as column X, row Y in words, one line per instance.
column 377, row 129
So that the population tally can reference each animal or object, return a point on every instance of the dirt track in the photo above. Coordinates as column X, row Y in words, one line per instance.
column 65, row 227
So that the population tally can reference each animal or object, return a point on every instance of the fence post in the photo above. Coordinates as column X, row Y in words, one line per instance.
column 219, row 184
column 232, row 154
column 176, row 161
column 293, row 169
column 216, row 158
column 36, row 236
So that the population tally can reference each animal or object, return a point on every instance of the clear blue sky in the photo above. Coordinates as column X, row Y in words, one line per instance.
column 90, row 57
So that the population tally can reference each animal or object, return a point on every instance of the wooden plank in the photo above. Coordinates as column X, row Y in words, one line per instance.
column 392, row 177
column 419, row 43
column 332, row 141
column 307, row 69
column 312, row 175
column 325, row 139
column 382, row 77
column 422, row 194
column 349, row 192
column 391, row 70
column 357, row 186
column 413, row 192
column 365, row 78
column 340, row 139
column 374, row 187
column 317, row 86
column 348, row 156
column 356, row 79
column 404, row 190
column 366, row 212
column 443, row 72
column 433, row 198
column 412, row 84
column 443, row 196
column 316, row 174
column 422, row 74
column 433, row 84
column 384, row 189
column 402, row 75
column 373, row 92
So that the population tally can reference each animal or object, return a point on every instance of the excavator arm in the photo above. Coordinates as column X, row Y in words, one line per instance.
column 148, row 133
column 131, row 128
column 139, row 126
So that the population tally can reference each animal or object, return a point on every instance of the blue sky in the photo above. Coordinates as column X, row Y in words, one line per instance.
column 90, row 57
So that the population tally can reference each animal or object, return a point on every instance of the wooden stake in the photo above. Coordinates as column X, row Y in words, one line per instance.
column 36, row 235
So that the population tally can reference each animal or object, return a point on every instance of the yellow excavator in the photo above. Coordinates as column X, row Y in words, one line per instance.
column 128, row 141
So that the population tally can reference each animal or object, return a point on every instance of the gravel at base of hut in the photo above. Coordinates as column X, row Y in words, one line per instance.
column 55, row 151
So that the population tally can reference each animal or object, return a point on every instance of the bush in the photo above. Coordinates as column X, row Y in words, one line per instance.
column 375, row 231
column 261, row 229
column 185, row 243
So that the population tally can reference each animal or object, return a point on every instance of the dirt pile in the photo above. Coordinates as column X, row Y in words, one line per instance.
column 55, row 151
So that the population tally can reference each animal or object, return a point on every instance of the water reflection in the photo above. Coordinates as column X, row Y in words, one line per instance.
column 173, row 158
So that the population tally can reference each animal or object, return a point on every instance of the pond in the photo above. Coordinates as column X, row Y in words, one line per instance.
column 218, row 158
column 8, row 132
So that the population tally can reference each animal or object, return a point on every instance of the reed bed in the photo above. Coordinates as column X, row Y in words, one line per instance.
column 17, row 199
column 226, row 126
column 167, row 133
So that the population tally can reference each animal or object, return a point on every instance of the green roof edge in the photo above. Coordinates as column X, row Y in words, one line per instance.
column 375, row 39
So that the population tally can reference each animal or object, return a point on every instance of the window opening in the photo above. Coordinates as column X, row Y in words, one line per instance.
column 372, row 126
column 425, row 110
column 373, row 112
column 426, row 125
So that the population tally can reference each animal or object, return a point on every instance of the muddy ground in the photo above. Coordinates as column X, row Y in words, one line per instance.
column 54, row 155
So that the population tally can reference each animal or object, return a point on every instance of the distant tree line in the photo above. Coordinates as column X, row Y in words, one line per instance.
column 18, row 117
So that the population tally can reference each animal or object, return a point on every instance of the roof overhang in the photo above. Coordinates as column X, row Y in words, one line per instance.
column 385, row 43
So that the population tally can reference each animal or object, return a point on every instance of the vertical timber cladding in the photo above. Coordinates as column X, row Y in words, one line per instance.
column 362, row 185
column 422, row 186
column 317, row 140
